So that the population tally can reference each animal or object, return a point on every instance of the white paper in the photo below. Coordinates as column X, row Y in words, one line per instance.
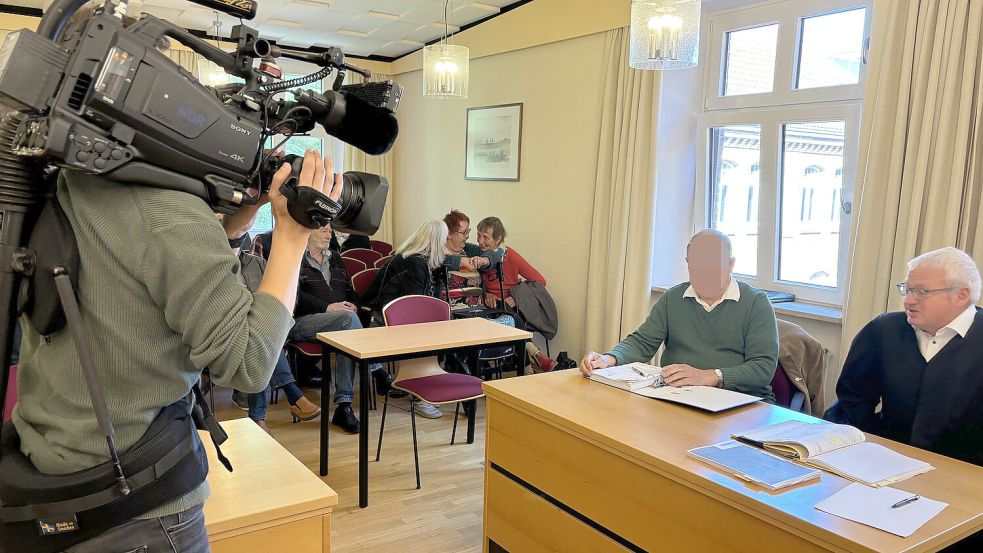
column 703, row 397
column 872, row 463
column 872, row 506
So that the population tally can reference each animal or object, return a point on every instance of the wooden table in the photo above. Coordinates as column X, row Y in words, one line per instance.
column 271, row 502
column 395, row 343
column 573, row 465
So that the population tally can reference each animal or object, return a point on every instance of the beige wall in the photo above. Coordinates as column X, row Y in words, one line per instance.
column 548, row 212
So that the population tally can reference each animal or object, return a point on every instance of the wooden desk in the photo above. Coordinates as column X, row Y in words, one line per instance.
column 271, row 502
column 572, row 465
column 395, row 343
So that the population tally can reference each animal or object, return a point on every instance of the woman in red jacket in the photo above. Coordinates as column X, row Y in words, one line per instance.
column 491, row 234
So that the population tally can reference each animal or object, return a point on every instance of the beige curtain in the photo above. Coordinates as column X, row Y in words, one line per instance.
column 357, row 160
column 921, row 152
column 185, row 58
column 618, row 279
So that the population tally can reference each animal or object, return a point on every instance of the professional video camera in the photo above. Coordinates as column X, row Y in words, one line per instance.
column 97, row 95
column 100, row 97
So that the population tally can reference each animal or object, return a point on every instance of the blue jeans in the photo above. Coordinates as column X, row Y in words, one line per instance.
column 305, row 329
column 183, row 532
column 282, row 378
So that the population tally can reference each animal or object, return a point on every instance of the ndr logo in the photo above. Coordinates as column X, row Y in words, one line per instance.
column 191, row 116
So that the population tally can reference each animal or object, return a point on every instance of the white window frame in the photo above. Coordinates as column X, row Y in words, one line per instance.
column 771, row 111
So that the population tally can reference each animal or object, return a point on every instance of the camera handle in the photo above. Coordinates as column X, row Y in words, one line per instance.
column 307, row 206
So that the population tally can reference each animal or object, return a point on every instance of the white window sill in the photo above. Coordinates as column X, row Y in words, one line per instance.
column 824, row 313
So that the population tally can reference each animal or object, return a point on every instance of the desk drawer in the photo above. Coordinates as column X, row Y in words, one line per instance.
column 308, row 535
column 520, row 521
column 649, row 509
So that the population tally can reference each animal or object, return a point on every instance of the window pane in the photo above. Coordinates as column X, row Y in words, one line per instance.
column 735, row 157
column 812, row 181
column 750, row 60
column 830, row 53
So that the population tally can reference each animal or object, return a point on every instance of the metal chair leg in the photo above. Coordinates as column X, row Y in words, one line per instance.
column 416, row 454
column 382, row 427
column 457, row 409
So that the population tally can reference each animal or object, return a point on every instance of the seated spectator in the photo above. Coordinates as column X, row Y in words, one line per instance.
column 491, row 235
column 262, row 244
column 326, row 301
column 251, row 269
column 717, row 331
column 461, row 254
column 344, row 241
column 922, row 366
column 409, row 272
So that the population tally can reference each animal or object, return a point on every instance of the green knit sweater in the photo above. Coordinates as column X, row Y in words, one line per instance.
column 739, row 338
column 156, row 286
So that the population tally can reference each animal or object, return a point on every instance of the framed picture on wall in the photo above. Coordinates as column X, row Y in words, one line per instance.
column 493, row 143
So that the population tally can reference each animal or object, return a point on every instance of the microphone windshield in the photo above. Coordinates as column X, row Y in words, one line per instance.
column 368, row 128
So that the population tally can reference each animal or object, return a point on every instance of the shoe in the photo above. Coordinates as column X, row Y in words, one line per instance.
column 304, row 410
column 539, row 359
column 384, row 383
column 427, row 410
column 241, row 400
column 262, row 424
column 345, row 418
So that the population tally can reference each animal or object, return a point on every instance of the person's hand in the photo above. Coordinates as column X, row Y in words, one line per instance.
column 313, row 174
column 510, row 302
column 467, row 264
column 479, row 262
column 679, row 375
column 491, row 301
column 594, row 360
column 341, row 306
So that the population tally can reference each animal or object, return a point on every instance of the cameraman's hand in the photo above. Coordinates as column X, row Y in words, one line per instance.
column 341, row 307
column 315, row 173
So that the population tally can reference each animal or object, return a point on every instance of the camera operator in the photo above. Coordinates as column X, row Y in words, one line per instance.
column 156, row 288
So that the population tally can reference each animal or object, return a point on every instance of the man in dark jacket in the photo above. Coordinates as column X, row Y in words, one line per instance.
column 326, row 301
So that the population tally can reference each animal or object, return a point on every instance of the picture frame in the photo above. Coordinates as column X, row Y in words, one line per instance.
column 493, row 143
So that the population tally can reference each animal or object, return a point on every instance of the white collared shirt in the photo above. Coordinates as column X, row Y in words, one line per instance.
column 733, row 292
column 930, row 345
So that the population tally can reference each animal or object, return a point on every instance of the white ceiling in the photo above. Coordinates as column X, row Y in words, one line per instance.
column 388, row 28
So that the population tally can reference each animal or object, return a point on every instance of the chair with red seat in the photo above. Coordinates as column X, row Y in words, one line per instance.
column 382, row 261
column 353, row 266
column 8, row 404
column 364, row 255
column 424, row 379
column 385, row 248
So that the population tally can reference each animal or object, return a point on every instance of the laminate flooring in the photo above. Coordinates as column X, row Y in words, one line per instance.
column 444, row 516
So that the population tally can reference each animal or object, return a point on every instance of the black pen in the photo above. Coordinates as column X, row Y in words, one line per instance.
column 905, row 501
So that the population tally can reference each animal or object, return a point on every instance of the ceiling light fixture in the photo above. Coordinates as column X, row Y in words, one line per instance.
column 665, row 34
column 445, row 67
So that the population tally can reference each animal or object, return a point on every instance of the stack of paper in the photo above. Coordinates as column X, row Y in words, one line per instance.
column 753, row 465
column 887, row 509
column 629, row 377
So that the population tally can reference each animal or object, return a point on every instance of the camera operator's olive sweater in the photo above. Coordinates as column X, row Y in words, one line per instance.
column 738, row 337
column 156, row 286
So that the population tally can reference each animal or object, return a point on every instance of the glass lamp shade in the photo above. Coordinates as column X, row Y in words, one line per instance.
column 665, row 34
column 445, row 71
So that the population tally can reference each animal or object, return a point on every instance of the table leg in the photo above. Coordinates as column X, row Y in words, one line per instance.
column 363, row 434
column 520, row 357
column 325, row 396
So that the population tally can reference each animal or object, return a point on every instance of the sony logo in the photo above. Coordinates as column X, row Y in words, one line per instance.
column 240, row 129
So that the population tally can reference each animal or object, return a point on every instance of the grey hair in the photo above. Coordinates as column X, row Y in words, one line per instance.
column 716, row 233
column 428, row 240
column 960, row 269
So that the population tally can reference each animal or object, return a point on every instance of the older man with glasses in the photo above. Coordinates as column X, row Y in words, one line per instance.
column 923, row 366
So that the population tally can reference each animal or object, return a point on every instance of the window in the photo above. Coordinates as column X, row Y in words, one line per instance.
column 779, row 131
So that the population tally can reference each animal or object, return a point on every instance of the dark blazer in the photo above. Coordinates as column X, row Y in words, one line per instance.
column 399, row 277
column 936, row 405
column 314, row 294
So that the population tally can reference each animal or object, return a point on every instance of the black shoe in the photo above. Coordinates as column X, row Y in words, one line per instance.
column 345, row 418
column 384, row 383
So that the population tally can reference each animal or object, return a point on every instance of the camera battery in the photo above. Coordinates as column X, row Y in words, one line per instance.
column 31, row 67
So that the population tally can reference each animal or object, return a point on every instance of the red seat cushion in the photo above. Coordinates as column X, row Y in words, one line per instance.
column 307, row 348
column 442, row 388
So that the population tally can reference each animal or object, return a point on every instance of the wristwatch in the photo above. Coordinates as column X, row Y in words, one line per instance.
column 720, row 378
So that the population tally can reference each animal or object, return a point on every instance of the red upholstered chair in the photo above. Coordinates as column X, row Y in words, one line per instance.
column 353, row 266
column 8, row 405
column 381, row 261
column 423, row 379
column 385, row 248
column 364, row 255
column 362, row 279
column 786, row 394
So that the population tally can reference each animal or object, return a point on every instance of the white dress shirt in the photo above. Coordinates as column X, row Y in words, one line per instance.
column 733, row 292
column 930, row 345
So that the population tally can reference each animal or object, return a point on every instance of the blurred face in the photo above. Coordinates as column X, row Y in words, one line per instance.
column 709, row 266
column 939, row 305
column 456, row 238
column 487, row 241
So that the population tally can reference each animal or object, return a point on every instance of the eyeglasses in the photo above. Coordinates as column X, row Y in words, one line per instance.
column 920, row 293
column 464, row 233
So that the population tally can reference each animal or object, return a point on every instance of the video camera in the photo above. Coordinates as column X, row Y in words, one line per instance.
column 100, row 97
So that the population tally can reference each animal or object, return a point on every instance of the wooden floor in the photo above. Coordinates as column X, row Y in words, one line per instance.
column 443, row 516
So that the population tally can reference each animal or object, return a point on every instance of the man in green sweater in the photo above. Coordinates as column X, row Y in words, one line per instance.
column 717, row 331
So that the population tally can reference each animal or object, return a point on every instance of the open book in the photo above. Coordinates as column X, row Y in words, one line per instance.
column 837, row 448
column 646, row 380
